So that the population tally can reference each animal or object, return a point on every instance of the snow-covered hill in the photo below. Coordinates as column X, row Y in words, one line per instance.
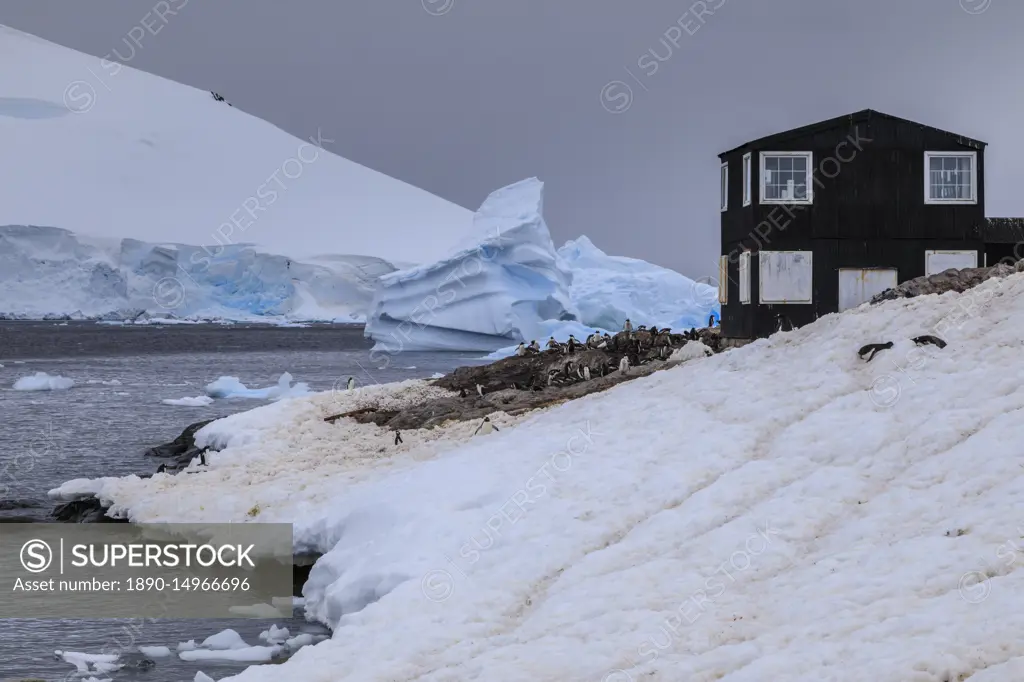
column 105, row 150
column 783, row 511
column 48, row 271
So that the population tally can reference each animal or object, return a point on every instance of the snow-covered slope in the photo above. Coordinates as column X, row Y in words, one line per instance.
column 606, row 290
column 715, row 521
column 46, row 271
column 105, row 150
column 496, row 287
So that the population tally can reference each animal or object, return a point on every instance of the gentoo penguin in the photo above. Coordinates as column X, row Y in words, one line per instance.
column 521, row 349
column 782, row 323
column 480, row 390
column 462, row 393
column 711, row 321
column 624, row 365
column 873, row 349
column 485, row 427
column 642, row 328
column 161, row 469
column 628, row 327
column 534, row 346
column 552, row 344
column 586, row 373
column 572, row 344
column 398, row 437
column 928, row 338
column 351, row 383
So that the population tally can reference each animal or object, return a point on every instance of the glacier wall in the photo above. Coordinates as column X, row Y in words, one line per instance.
column 496, row 287
column 47, row 271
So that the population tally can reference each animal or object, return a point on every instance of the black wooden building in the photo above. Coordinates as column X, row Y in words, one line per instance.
column 818, row 219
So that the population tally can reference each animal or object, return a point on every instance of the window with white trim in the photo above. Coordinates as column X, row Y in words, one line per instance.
column 786, row 177
column 725, row 187
column 746, row 179
column 785, row 276
column 951, row 177
column 745, row 277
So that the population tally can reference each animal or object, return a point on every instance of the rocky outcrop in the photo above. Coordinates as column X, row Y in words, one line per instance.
column 180, row 451
column 83, row 511
column 948, row 280
column 521, row 383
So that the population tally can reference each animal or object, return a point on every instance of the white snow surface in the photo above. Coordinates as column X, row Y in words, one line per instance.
column 497, row 286
column 41, row 381
column 110, row 151
column 713, row 521
column 606, row 290
column 47, row 272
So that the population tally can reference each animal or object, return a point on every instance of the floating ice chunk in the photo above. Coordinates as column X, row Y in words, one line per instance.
column 198, row 401
column 232, row 387
column 275, row 635
column 155, row 651
column 87, row 662
column 493, row 289
column 203, row 677
column 606, row 290
column 41, row 381
column 225, row 639
column 251, row 654
column 190, row 645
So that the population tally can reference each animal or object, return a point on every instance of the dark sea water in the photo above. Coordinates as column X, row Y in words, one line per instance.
column 102, row 428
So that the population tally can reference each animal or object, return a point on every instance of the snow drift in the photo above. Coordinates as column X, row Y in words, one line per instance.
column 711, row 521
column 109, row 151
column 46, row 271
column 608, row 290
column 497, row 287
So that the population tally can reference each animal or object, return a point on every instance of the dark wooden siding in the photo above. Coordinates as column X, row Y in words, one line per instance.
column 868, row 211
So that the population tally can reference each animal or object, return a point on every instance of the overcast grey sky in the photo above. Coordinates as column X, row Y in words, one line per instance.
column 460, row 97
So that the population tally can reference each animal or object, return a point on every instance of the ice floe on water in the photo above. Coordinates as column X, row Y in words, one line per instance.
column 41, row 381
column 111, row 382
column 155, row 651
column 89, row 663
column 198, row 401
column 232, row 387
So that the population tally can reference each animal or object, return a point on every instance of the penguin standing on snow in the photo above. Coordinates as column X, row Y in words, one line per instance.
column 398, row 437
column 485, row 427
column 351, row 383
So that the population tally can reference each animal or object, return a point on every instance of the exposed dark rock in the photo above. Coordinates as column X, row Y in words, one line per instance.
column 948, row 280
column 83, row 511
column 521, row 383
column 182, row 450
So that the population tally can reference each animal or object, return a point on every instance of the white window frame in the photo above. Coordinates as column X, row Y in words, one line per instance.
column 931, row 252
column 764, row 156
column 747, row 160
column 762, row 255
column 928, row 156
column 745, row 278
column 723, row 180
column 723, row 279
